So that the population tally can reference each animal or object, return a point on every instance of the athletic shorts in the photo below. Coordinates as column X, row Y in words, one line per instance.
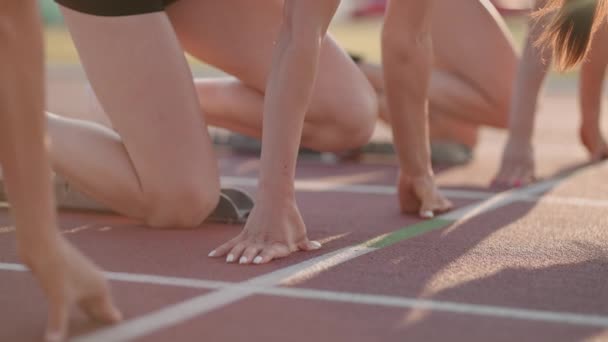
column 116, row 8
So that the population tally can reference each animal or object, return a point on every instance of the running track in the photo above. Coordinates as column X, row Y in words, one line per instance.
column 529, row 264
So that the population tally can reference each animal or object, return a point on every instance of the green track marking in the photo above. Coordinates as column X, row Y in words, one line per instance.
column 407, row 233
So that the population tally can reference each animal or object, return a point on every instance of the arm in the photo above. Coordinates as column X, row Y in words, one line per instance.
column 407, row 54
column 289, row 89
column 66, row 276
column 275, row 228
column 591, row 82
column 517, row 166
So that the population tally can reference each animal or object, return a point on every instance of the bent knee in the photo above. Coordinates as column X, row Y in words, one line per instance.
column 345, row 122
column 184, row 206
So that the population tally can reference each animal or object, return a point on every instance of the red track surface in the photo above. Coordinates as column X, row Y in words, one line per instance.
column 540, row 256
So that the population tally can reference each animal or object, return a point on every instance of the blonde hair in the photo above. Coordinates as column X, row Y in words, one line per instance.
column 570, row 28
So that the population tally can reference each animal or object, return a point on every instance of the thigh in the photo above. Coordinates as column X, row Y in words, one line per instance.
column 137, row 69
column 472, row 42
column 238, row 37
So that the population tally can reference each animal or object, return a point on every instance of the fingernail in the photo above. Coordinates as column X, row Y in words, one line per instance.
column 230, row 258
column 315, row 244
column 53, row 337
column 243, row 260
column 257, row 260
column 427, row 214
column 212, row 253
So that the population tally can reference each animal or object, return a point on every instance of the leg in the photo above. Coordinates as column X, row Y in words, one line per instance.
column 66, row 277
column 158, row 165
column 342, row 111
column 593, row 71
column 474, row 64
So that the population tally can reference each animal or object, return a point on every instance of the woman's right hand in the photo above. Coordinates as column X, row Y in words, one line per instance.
column 420, row 195
column 517, row 165
column 68, row 280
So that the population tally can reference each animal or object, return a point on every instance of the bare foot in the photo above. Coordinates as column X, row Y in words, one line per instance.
column 517, row 166
column 274, row 230
column 592, row 138
column 420, row 195
column 69, row 279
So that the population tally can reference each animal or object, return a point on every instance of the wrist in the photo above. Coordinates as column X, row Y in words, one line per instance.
column 417, row 174
column 590, row 125
column 519, row 142
column 32, row 249
column 275, row 190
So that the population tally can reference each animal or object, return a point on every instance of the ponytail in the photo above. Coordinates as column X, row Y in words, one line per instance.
column 570, row 29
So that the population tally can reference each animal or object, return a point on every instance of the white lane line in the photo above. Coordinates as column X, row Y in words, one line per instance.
column 235, row 291
column 500, row 200
column 326, row 186
column 168, row 281
column 441, row 306
column 172, row 315
column 164, row 318
column 142, row 278
column 13, row 267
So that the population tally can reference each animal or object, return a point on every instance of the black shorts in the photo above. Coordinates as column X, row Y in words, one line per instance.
column 116, row 8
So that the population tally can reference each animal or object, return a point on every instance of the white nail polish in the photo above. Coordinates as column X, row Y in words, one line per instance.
column 427, row 214
column 243, row 260
column 315, row 244
column 212, row 254
column 230, row 258
column 257, row 260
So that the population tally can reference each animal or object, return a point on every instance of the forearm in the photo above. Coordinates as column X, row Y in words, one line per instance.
column 289, row 91
column 407, row 59
column 531, row 73
column 592, row 76
column 26, row 168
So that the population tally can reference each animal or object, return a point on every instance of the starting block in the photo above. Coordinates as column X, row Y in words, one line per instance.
column 234, row 207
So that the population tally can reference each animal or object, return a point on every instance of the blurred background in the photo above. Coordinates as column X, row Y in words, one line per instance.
column 356, row 26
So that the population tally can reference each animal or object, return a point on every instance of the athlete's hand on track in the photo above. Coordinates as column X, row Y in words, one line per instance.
column 517, row 165
column 420, row 195
column 273, row 230
column 69, row 280
column 594, row 142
